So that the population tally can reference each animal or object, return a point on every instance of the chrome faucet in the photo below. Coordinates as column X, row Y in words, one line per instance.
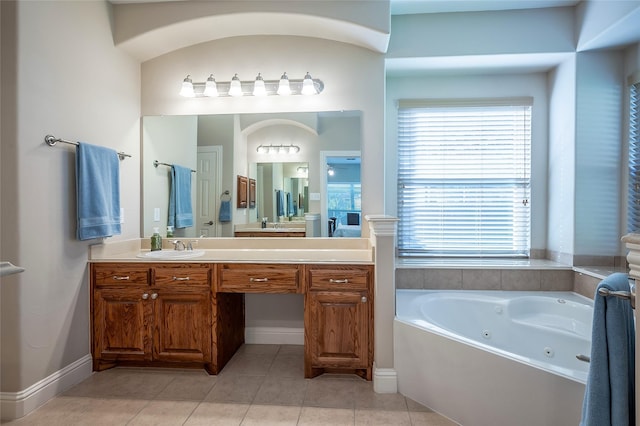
column 178, row 245
column 191, row 243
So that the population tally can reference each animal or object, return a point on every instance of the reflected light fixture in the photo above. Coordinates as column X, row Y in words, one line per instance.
column 258, row 87
column 331, row 171
column 187, row 88
column 275, row 149
column 210, row 88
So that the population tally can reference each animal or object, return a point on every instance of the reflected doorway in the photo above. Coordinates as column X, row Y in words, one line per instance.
column 341, row 201
column 209, row 190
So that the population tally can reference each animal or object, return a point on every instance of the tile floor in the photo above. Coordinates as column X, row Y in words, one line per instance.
column 261, row 385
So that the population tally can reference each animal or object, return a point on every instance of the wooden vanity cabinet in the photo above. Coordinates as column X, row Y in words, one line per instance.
column 339, row 320
column 259, row 278
column 146, row 313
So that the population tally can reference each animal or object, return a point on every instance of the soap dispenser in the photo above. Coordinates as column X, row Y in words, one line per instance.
column 156, row 240
column 169, row 231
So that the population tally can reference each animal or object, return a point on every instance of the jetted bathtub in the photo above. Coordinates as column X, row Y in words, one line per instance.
column 494, row 357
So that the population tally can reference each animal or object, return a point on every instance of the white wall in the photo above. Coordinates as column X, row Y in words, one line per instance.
column 65, row 78
column 598, row 144
column 478, row 86
column 561, row 171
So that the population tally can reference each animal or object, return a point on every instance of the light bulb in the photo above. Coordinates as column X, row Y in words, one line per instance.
column 258, row 87
column 187, row 88
column 210, row 88
column 235, row 88
column 283, row 87
column 308, row 87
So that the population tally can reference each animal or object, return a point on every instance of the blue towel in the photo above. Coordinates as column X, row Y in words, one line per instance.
column 279, row 202
column 225, row 211
column 98, row 191
column 610, row 392
column 180, row 211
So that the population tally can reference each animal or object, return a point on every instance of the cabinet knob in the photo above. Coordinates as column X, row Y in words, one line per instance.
column 344, row 281
column 364, row 299
column 154, row 296
column 145, row 296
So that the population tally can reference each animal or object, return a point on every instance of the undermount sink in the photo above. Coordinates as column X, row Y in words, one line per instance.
column 172, row 254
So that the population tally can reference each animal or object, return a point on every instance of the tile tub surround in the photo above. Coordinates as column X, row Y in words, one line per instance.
column 260, row 386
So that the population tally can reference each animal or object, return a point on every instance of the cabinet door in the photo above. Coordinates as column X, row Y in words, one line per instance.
column 338, row 323
column 122, row 323
column 182, row 325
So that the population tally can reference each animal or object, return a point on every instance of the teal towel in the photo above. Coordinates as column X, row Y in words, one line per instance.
column 180, row 210
column 97, row 191
column 610, row 392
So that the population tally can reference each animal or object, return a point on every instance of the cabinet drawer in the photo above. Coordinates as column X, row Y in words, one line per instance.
column 191, row 275
column 337, row 277
column 262, row 278
column 121, row 274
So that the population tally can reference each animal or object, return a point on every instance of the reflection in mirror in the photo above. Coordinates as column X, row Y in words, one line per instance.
column 220, row 147
column 283, row 190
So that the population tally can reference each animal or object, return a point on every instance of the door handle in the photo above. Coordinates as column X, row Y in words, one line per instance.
column 209, row 223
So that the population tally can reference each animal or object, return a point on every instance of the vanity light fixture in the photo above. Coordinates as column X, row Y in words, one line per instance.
column 210, row 87
column 187, row 88
column 284, row 89
column 258, row 87
column 278, row 149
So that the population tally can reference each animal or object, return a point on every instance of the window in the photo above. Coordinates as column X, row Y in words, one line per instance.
column 464, row 177
column 343, row 198
column 633, row 209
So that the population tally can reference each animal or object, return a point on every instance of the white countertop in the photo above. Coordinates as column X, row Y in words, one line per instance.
column 240, row 250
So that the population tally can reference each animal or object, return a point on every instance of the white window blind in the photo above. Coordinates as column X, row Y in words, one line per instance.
column 633, row 203
column 464, row 177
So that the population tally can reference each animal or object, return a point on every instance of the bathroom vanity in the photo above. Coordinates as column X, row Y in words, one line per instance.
column 189, row 312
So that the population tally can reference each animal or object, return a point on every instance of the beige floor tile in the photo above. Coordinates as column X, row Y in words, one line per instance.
column 366, row 398
column 281, row 391
column 382, row 418
column 287, row 365
column 258, row 349
column 123, row 383
column 271, row 415
column 164, row 413
column 317, row 416
column 249, row 364
column 235, row 388
column 429, row 419
column 330, row 393
column 217, row 414
column 291, row 350
column 416, row 406
column 188, row 387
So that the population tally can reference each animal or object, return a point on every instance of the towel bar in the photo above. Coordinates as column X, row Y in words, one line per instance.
column 52, row 140
column 620, row 294
column 156, row 163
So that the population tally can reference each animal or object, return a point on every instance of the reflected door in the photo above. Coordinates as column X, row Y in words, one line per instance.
column 209, row 177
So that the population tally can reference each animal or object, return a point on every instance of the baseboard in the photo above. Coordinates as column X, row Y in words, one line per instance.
column 385, row 380
column 14, row 405
column 274, row 336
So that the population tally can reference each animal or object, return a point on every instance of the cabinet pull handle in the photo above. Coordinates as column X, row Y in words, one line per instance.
column 116, row 277
column 258, row 280
column 344, row 281
column 145, row 296
column 364, row 299
column 154, row 296
column 181, row 278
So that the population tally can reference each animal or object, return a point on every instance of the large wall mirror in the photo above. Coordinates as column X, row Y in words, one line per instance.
column 288, row 155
